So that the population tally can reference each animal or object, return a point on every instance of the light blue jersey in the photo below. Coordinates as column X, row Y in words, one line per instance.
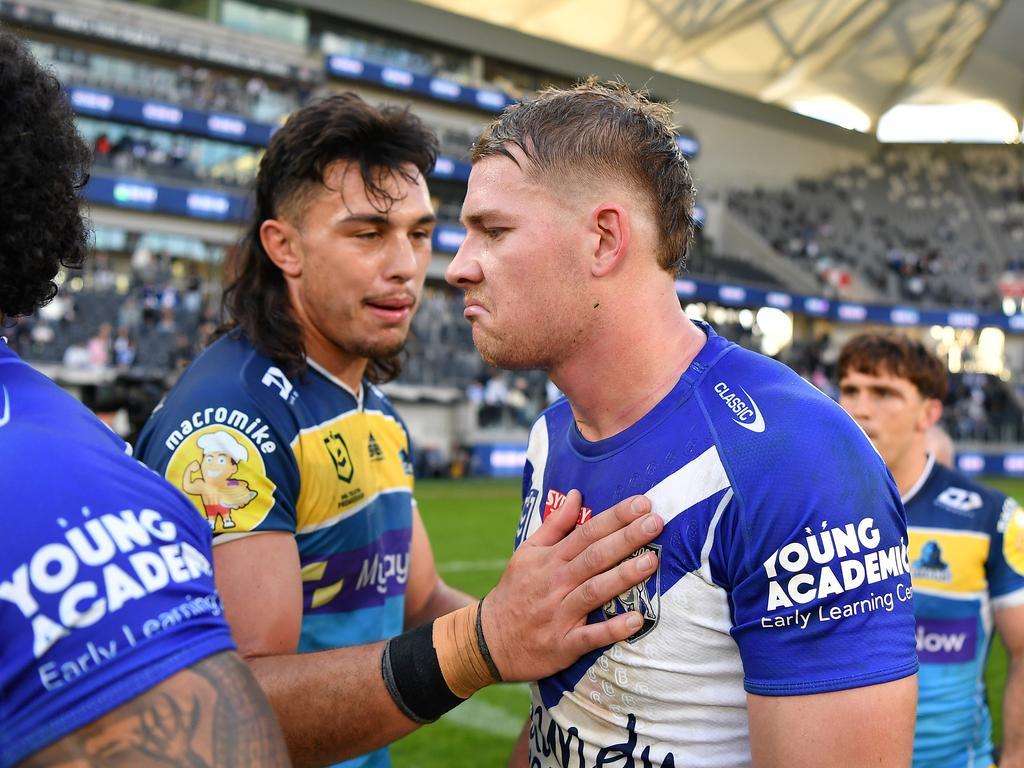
column 783, row 565
column 967, row 561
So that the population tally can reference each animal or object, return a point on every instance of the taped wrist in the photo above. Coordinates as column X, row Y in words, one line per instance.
column 435, row 667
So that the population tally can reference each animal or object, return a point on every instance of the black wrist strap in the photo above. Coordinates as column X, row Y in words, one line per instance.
column 481, row 641
column 413, row 676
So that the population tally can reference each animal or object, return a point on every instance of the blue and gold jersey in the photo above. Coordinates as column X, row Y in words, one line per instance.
column 967, row 561
column 255, row 451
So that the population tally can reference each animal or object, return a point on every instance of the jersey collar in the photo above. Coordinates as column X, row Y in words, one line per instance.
column 682, row 390
column 925, row 474
column 357, row 396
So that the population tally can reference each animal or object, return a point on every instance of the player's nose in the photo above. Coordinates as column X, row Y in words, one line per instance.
column 464, row 270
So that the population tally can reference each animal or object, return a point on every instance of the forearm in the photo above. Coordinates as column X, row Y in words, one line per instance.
column 178, row 722
column 442, row 599
column 332, row 705
column 520, row 757
column 1013, row 715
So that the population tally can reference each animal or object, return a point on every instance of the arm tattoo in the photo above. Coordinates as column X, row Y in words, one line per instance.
column 211, row 714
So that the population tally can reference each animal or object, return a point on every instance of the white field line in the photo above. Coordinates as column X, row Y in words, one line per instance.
column 479, row 715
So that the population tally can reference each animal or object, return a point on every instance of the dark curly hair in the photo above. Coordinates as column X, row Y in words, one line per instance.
column 43, row 166
column 339, row 127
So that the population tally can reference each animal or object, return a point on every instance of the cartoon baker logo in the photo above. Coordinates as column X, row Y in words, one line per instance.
column 1012, row 525
column 223, row 474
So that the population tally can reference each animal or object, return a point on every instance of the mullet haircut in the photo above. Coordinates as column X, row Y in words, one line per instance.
column 897, row 355
column 382, row 141
column 599, row 129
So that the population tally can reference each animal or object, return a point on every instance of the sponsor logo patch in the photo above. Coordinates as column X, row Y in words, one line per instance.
column 959, row 500
column 830, row 562
column 221, row 470
column 554, row 501
column 747, row 414
column 373, row 449
column 526, row 518
column 1011, row 525
column 944, row 641
column 930, row 564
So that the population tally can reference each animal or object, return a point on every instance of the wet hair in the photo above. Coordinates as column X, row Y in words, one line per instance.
column 43, row 166
column 383, row 142
column 599, row 129
column 896, row 355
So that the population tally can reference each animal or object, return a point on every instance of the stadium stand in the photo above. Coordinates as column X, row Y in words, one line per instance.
column 910, row 224
column 920, row 226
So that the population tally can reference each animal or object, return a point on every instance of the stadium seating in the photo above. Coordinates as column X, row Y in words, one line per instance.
column 911, row 224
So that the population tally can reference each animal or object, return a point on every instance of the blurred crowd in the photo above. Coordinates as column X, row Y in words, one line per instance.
column 157, row 324
column 914, row 225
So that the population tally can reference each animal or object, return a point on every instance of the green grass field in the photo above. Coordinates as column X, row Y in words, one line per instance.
column 472, row 524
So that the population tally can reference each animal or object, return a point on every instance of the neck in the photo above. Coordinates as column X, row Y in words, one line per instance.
column 629, row 363
column 907, row 472
column 344, row 367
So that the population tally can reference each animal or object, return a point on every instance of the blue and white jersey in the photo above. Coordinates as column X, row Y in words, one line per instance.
column 783, row 565
column 106, row 587
column 966, row 561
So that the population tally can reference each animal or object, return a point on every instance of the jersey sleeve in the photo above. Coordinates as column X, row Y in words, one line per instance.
column 1005, row 566
column 106, row 590
column 812, row 550
column 230, row 454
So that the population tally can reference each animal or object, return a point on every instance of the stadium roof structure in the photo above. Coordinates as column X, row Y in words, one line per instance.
column 904, row 69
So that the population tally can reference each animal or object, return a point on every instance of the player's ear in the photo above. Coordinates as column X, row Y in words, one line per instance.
column 932, row 412
column 280, row 241
column 610, row 222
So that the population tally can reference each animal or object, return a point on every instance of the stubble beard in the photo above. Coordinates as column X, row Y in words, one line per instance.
column 541, row 352
column 378, row 350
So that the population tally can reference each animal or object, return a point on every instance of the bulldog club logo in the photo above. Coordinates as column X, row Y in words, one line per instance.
column 645, row 597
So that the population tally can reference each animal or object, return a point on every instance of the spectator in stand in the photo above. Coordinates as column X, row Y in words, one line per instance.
column 124, row 348
column 102, row 147
column 168, row 323
column 103, row 277
column 99, row 348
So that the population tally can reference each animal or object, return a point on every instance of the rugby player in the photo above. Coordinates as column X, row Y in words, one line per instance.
column 939, row 444
column 966, row 553
column 302, row 468
column 114, row 649
column 778, row 628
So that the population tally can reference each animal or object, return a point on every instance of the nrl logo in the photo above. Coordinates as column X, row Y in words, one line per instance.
column 338, row 451
column 645, row 597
